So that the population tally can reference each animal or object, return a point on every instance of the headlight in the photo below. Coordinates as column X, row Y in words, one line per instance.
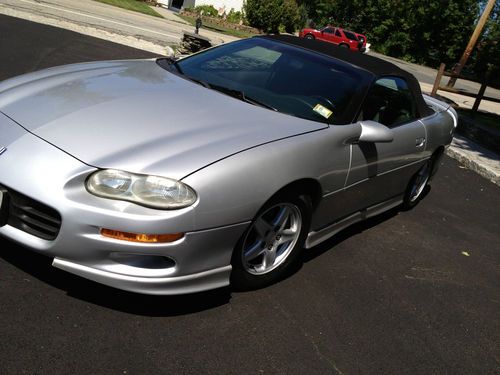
column 150, row 191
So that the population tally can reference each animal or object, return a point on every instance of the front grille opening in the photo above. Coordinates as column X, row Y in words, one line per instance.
column 33, row 217
column 151, row 262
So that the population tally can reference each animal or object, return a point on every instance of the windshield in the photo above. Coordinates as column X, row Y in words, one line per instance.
column 277, row 76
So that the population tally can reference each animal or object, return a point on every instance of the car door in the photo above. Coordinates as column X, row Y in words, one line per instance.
column 327, row 34
column 381, row 171
column 337, row 36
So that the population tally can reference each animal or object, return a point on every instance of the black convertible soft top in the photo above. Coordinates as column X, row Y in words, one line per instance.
column 377, row 67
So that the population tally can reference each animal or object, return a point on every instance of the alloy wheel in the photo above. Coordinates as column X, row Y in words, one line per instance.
column 419, row 183
column 271, row 238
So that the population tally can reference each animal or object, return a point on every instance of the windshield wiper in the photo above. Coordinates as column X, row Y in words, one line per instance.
column 231, row 92
column 257, row 102
column 240, row 95
column 170, row 61
column 199, row 82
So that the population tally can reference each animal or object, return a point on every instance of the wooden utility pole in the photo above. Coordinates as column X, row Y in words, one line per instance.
column 472, row 41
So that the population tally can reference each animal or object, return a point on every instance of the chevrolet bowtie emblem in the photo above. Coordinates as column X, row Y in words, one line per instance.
column 2, row 150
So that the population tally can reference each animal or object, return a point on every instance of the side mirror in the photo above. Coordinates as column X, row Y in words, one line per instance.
column 372, row 131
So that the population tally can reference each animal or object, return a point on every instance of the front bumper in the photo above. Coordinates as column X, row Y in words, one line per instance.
column 198, row 282
column 198, row 261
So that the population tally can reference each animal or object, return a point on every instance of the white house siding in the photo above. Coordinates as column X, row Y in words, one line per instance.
column 228, row 4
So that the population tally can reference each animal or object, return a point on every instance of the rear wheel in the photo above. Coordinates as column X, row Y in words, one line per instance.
column 271, row 245
column 309, row 36
column 417, row 185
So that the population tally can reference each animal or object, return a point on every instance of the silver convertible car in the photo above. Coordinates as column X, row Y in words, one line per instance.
column 166, row 177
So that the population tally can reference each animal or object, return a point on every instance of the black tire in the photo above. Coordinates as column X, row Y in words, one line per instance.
column 436, row 160
column 417, row 185
column 343, row 46
column 252, row 274
column 310, row 37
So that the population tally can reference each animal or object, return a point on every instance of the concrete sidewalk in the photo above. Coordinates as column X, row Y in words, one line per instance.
column 476, row 158
column 170, row 15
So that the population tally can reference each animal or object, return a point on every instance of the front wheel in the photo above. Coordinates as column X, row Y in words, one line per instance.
column 271, row 245
column 309, row 36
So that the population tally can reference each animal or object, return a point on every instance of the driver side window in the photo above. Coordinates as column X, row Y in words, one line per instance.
column 328, row 30
column 389, row 102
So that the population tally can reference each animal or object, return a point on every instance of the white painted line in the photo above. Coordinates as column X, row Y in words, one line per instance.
column 98, row 18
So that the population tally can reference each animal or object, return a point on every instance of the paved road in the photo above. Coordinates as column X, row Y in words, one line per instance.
column 395, row 294
column 28, row 46
column 166, row 31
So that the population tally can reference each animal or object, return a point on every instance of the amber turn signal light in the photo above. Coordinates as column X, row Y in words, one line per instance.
column 141, row 237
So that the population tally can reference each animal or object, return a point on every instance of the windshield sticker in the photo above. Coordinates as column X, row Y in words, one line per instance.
column 323, row 111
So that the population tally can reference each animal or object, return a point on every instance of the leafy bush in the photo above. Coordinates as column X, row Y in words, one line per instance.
column 208, row 10
column 263, row 14
column 290, row 16
column 422, row 31
column 486, row 56
column 273, row 15
column 234, row 16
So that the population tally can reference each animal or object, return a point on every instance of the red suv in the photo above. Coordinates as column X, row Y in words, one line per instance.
column 337, row 35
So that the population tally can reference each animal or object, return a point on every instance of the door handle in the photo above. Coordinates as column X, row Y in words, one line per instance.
column 419, row 142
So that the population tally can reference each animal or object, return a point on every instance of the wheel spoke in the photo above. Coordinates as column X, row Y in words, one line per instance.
column 262, row 227
column 287, row 235
column 254, row 251
column 282, row 217
column 269, row 258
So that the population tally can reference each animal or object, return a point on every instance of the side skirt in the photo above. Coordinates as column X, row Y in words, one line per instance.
column 315, row 238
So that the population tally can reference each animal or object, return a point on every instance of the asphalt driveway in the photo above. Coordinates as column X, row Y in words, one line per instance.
column 406, row 292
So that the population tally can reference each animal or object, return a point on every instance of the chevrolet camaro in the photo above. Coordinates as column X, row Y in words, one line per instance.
column 166, row 176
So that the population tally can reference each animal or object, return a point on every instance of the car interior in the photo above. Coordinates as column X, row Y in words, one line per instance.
column 390, row 103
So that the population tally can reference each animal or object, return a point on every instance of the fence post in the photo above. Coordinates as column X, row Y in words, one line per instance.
column 437, row 82
column 480, row 94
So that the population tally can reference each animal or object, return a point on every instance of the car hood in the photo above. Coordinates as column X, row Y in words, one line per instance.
column 135, row 116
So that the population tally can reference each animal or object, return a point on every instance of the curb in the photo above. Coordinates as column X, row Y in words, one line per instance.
column 476, row 158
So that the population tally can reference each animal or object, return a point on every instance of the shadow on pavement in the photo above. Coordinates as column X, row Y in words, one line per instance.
column 40, row 267
column 347, row 233
column 355, row 229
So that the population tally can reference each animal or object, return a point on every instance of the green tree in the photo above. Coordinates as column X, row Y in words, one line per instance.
column 422, row 31
column 290, row 15
column 273, row 15
column 486, row 55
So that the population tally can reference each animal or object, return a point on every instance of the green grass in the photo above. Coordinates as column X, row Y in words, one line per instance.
column 136, row 6
column 218, row 28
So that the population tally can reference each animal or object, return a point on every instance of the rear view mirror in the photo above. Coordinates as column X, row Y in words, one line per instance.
column 372, row 131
